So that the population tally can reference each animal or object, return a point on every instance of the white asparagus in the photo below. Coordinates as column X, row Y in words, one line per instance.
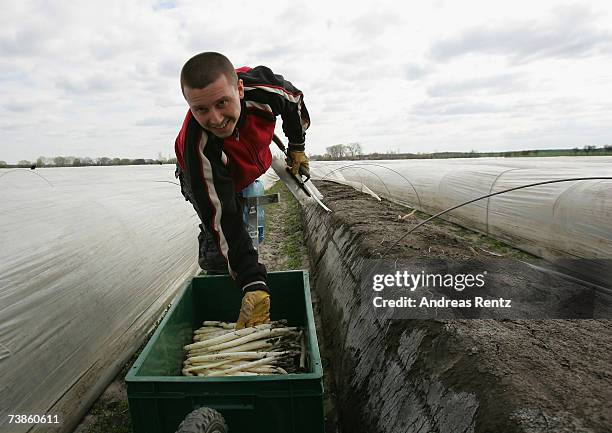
column 265, row 370
column 190, row 361
column 239, row 373
column 260, row 334
column 210, row 329
column 216, row 357
column 218, row 339
column 228, row 337
column 245, row 366
column 212, row 365
column 261, row 369
column 232, row 325
column 206, row 331
column 209, row 336
column 253, row 346
column 220, row 350
column 235, row 355
column 197, row 360
column 226, row 325
column 233, row 363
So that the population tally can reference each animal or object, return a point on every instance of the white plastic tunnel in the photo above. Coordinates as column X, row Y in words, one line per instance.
column 566, row 220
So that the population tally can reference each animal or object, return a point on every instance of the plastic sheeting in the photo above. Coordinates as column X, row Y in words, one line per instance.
column 569, row 219
column 89, row 258
column 269, row 178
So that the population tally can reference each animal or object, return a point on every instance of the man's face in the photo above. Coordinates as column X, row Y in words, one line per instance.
column 216, row 107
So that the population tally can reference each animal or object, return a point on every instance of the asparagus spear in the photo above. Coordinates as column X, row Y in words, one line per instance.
column 219, row 350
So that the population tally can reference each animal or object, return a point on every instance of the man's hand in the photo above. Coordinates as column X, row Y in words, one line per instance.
column 255, row 309
column 297, row 158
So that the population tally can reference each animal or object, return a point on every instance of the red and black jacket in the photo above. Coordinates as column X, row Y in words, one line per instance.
column 213, row 170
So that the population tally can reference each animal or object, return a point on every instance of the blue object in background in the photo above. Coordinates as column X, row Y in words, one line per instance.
column 255, row 189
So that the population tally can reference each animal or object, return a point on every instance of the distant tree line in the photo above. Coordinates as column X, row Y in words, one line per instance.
column 73, row 161
column 340, row 151
column 353, row 151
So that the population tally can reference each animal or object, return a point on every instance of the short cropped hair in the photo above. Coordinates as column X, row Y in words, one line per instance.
column 204, row 68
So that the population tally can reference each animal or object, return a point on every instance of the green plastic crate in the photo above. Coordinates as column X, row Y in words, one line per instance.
column 160, row 397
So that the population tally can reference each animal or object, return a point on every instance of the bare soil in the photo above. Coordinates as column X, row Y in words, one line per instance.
column 559, row 370
column 273, row 253
column 110, row 413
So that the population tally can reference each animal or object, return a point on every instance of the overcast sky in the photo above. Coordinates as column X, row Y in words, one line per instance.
column 102, row 79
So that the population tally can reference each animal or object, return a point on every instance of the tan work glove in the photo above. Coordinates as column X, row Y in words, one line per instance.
column 297, row 158
column 255, row 309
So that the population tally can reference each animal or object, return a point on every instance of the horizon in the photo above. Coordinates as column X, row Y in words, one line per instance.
column 167, row 160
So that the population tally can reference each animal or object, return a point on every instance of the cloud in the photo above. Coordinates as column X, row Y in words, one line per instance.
column 571, row 33
column 415, row 71
column 110, row 43
column 448, row 108
column 17, row 106
column 328, row 83
column 274, row 52
column 171, row 68
column 362, row 55
column 12, row 126
column 372, row 25
column 23, row 43
column 202, row 38
column 93, row 84
column 293, row 17
column 336, row 107
column 366, row 63
column 164, row 5
column 157, row 121
column 495, row 84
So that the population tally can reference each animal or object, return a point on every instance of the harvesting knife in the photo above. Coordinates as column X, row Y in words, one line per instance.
column 303, row 190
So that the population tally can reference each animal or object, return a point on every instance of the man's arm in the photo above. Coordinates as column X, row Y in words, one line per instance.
column 209, row 187
column 272, row 92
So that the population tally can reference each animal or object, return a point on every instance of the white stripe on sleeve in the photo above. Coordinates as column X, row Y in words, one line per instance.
column 282, row 92
column 259, row 106
column 214, row 198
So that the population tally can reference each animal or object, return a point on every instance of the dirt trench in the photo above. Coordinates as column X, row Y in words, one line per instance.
column 445, row 375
